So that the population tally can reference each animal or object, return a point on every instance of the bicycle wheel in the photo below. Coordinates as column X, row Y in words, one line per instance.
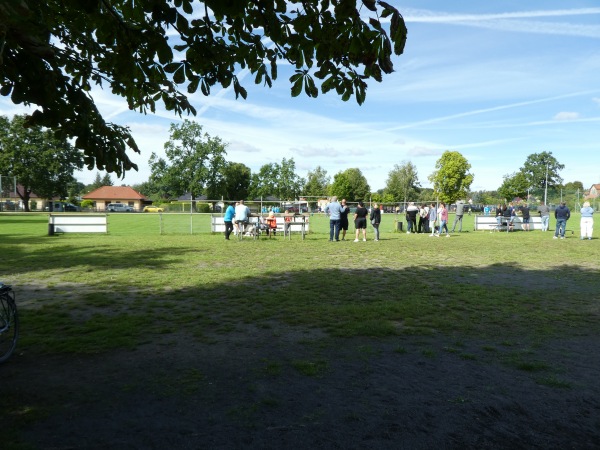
column 9, row 325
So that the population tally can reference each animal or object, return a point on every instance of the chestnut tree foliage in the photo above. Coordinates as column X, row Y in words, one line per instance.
column 451, row 179
column 157, row 51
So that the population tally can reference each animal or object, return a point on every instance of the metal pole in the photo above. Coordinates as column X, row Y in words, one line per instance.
column 546, row 187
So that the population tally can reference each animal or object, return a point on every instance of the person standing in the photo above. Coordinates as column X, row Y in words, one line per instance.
column 587, row 221
column 443, row 214
column 411, row 218
column 423, row 219
column 375, row 218
column 499, row 215
column 432, row 219
column 228, row 220
column 334, row 210
column 242, row 213
column 344, row 219
column 525, row 214
column 545, row 215
column 460, row 210
column 561, row 214
column 360, row 220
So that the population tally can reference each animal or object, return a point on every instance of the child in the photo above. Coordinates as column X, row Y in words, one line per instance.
column 271, row 223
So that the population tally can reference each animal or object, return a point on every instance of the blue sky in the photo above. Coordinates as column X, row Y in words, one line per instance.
column 496, row 81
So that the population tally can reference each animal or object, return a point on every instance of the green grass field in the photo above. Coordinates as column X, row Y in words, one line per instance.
column 88, row 293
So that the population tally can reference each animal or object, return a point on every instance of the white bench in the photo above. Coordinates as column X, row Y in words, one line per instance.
column 77, row 223
column 489, row 223
column 217, row 225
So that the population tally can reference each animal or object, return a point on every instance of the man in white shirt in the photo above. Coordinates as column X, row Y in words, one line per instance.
column 242, row 213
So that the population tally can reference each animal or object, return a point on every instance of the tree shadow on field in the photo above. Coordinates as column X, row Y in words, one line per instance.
column 414, row 357
column 72, row 254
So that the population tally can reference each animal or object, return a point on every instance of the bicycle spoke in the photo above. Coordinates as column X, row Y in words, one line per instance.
column 9, row 326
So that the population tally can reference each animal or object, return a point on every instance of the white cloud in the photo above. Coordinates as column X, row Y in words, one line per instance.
column 242, row 147
column 422, row 15
column 566, row 115
column 596, row 100
column 423, row 151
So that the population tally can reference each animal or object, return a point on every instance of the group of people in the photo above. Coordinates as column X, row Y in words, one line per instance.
column 425, row 217
column 338, row 219
column 586, row 224
column 237, row 216
column 420, row 218
column 508, row 213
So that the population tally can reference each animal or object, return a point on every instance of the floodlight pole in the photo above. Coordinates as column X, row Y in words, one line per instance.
column 546, row 187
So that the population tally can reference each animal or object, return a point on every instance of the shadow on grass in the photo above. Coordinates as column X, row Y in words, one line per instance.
column 501, row 300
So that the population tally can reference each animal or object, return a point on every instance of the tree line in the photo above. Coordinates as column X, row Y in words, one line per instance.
column 195, row 163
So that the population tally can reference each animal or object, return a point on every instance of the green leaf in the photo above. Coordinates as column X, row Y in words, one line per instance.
column 259, row 75
column 370, row 4
column 187, row 7
column 179, row 76
column 375, row 24
column 297, row 87
column 5, row 90
column 205, row 88
column 193, row 86
column 171, row 67
column 400, row 35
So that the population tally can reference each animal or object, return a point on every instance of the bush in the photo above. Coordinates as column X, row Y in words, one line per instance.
column 87, row 204
column 203, row 207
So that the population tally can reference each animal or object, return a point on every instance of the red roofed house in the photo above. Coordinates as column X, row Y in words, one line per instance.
column 594, row 192
column 117, row 194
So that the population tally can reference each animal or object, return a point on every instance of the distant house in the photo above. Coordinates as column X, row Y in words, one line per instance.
column 594, row 192
column 12, row 199
column 117, row 194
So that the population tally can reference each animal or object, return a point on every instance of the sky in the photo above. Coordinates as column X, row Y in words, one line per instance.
column 495, row 81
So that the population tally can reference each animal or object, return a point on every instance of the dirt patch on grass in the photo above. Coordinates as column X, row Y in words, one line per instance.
column 283, row 387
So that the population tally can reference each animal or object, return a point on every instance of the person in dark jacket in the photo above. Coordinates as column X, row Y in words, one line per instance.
column 375, row 219
column 526, row 216
column 411, row 218
column 561, row 214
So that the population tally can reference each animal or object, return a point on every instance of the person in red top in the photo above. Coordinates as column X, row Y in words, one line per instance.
column 443, row 215
column 271, row 221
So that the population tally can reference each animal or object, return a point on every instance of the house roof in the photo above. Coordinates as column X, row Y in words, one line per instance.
column 114, row 193
column 188, row 196
column 20, row 190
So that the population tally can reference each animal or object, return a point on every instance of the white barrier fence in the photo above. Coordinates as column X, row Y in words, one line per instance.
column 217, row 225
column 77, row 223
column 489, row 223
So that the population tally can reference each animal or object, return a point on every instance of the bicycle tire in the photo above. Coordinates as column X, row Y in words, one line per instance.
column 9, row 325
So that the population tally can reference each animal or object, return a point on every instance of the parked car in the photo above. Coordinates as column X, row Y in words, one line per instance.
column 151, row 208
column 8, row 206
column 63, row 207
column 119, row 207
column 71, row 207
column 295, row 208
